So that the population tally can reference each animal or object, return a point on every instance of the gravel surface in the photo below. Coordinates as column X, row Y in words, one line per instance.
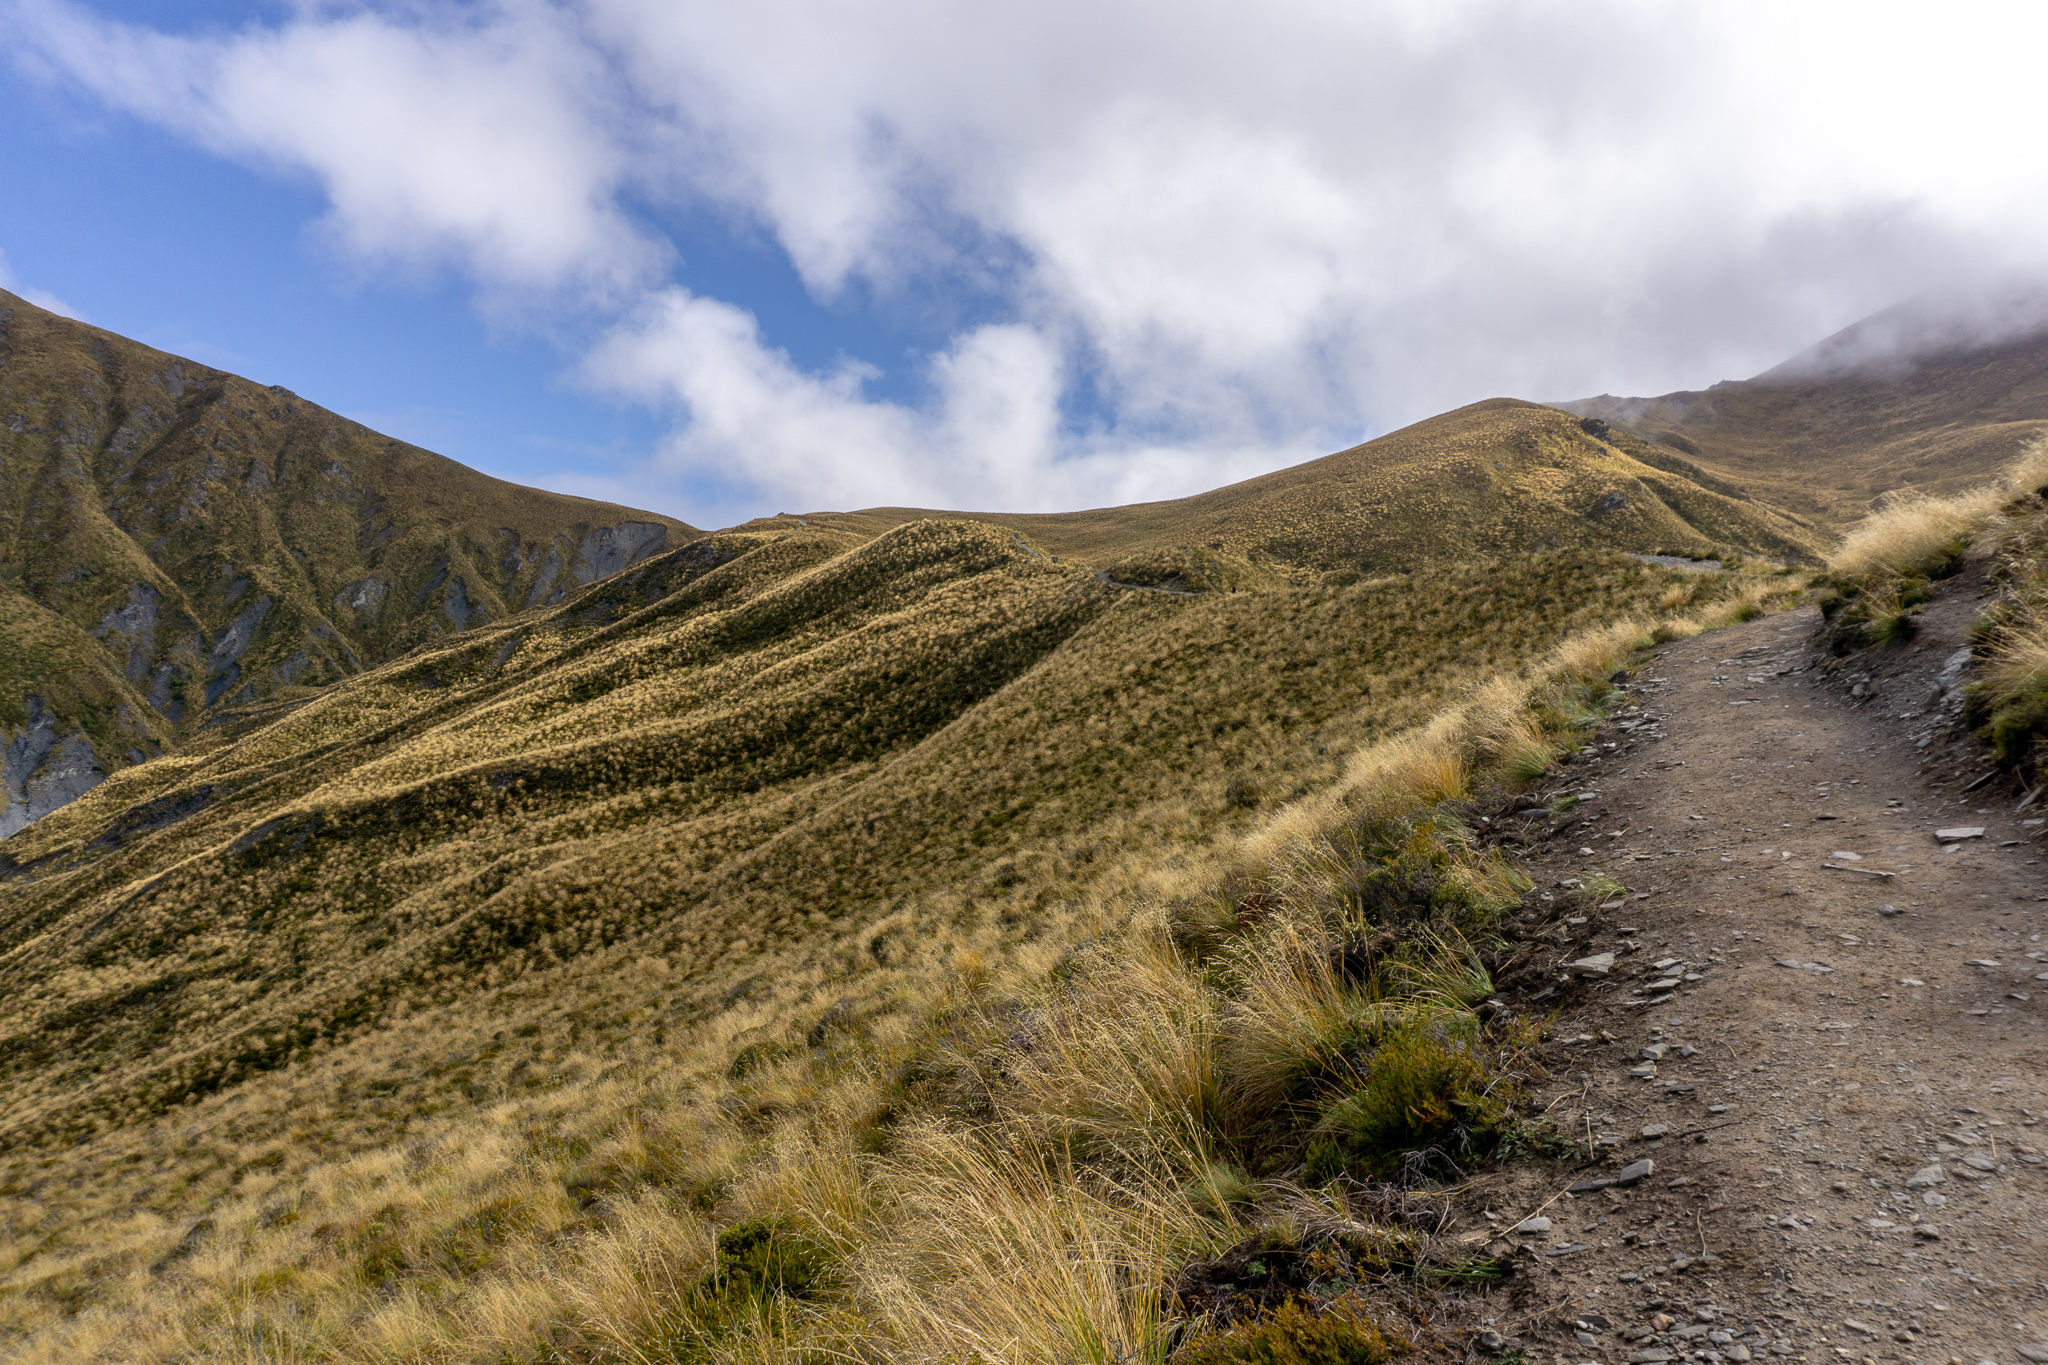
column 1815, row 1059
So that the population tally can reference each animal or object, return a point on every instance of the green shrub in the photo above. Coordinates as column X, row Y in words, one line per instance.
column 764, row 1256
column 1429, row 1095
column 1294, row 1334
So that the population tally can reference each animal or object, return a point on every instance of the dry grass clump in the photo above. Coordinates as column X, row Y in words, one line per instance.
column 1886, row 565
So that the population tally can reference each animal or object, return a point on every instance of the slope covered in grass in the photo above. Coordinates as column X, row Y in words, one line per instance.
column 1881, row 406
column 1499, row 477
column 509, row 919
column 176, row 542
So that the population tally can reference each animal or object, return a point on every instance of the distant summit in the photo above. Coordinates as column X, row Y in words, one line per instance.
column 1933, row 394
column 1890, row 343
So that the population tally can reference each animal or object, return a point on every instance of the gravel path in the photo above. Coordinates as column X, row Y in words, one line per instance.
column 1823, row 1026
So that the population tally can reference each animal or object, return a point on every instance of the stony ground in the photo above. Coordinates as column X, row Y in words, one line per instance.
column 1823, row 1027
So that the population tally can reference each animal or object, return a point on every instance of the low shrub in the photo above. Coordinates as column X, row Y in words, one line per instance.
column 1294, row 1334
column 1431, row 1101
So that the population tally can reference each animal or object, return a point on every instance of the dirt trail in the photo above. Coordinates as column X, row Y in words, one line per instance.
column 1833, row 1038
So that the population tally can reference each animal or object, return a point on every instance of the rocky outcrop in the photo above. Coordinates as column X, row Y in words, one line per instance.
column 608, row 549
column 40, row 771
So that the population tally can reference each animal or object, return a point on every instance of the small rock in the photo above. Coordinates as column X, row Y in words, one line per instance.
column 1847, row 857
column 1949, row 836
column 1661, row 1322
column 1665, row 964
column 1533, row 1225
column 1655, row 1051
column 1655, row 1130
column 1667, row 983
column 1597, row 966
column 1984, row 962
column 1656, row 1355
column 1977, row 1161
column 1924, row 1177
column 1927, row 1232
column 1863, row 1327
column 1933, row 1199
column 1491, row 1341
column 1593, row 1186
column 1635, row 1173
column 1737, row 1353
column 1643, row 1072
column 2033, row 1351
column 1888, row 911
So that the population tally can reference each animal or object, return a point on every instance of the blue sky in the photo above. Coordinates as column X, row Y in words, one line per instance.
column 727, row 260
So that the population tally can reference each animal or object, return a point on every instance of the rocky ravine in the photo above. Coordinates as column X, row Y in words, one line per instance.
column 1823, row 1026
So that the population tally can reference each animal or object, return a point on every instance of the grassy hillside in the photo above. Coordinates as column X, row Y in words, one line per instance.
column 1825, row 437
column 1499, row 477
column 361, row 1031
column 176, row 543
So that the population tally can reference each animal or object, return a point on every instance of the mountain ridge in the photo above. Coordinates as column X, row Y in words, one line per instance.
column 176, row 541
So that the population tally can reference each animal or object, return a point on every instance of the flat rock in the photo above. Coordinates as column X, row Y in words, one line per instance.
column 2034, row 1351
column 1532, row 1225
column 1925, row 1176
column 1635, row 1173
column 1949, row 836
column 1655, row 1130
column 1598, row 965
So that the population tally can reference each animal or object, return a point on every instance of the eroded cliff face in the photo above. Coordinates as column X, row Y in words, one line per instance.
column 178, row 545
column 39, row 771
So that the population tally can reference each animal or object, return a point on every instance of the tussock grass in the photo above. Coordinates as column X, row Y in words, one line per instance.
column 1884, row 571
column 769, row 1044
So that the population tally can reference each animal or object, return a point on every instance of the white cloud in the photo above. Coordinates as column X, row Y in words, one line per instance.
column 1231, row 236
column 433, row 133
column 752, row 421
column 39, row 297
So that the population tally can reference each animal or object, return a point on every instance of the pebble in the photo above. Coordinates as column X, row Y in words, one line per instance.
column 1635, row 1172
column 1977, row 1162
column 1643, row 1072
column 1925, row 1176
column 1655, row 1051
column 1959, row 832
column 1663, row 984
column 1598, row 965
column 2033, row 1351
column 1655, row 1130
column 1490, row 1341
column 1533, row 1225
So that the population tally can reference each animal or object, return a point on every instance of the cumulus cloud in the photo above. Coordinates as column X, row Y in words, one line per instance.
column 1223, row 238
column 436, row 133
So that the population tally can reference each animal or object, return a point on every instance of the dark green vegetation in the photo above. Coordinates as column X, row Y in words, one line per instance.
column 178, row 545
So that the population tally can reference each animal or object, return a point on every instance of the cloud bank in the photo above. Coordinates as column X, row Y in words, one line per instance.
column 1217, row 239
